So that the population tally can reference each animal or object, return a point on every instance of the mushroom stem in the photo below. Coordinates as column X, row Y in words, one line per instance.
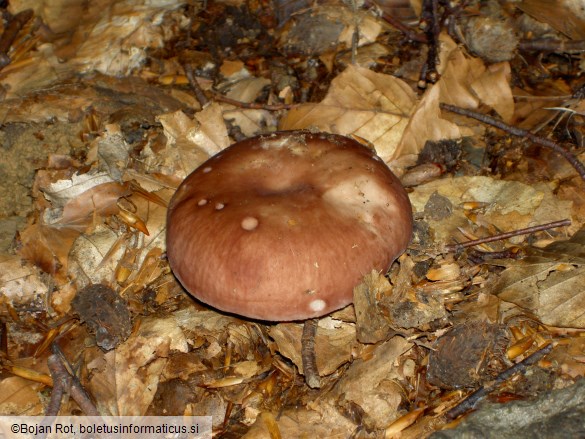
column 308, row 355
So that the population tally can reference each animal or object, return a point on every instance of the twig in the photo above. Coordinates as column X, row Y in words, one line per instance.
column 552, row 45
column 61, row 384
column 64, row 381
column 470, row 402
column 478, row 257
column 570, row 157
column 407, row 31
column 308, row 356
column 253, row 105
column 500, row 236
column 199, row 93
column 430, row 23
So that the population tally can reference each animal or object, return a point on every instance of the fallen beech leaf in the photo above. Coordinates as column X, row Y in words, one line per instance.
column 20, row 283
column 549, row 283
column 370, row 105
column 192, row 141
column 125, row 382
column 368, row 383
column 566, row 16
column 509, row 205
column 466, row 81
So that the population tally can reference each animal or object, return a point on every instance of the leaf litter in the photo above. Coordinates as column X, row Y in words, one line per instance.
column 121, row 102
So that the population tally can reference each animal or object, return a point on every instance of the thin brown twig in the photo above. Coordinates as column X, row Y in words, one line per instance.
column 570, row 157
column 252, row 105
column 65, row 381
column 199, row 93
column 308, row 355
column 410, row 33
column 470, row 402
column 506, row 235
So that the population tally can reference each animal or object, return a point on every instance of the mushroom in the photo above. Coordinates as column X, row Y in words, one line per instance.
column 283, row 226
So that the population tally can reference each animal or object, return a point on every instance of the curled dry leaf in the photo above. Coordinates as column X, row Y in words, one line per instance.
column 369, row 105
column 548, row 283
column 509, row 205
column 20, row 283
column 125, row 380
column 566, row 16
column 466, row 81
column 368, row 383
column 192, row 141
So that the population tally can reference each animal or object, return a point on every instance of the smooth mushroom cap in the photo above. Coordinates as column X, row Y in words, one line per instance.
column 282, row 227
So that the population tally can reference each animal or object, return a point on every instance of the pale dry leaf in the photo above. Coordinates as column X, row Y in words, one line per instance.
column 250, row 121
column 110, row 151
column 509, row 206
column 458, row 70
column 126, row 382
column 247, row 89
column 20, row 397
column 552, row 293
column 192, row 141
column 212, row 135
column 118, row 38
column 493, row 89
column 86, row 259
column 426, row 124
column 360, row 102
column 549, row 283
column 20, row 282
column 205, row 323
column 81, row 211
column 367, row 383
column 368, row 56
column 323, row 421
column 466, row 81
column 48, row 248
column 566, row 16
column 61, row 192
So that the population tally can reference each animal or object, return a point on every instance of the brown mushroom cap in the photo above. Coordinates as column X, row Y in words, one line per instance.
column 283, row 226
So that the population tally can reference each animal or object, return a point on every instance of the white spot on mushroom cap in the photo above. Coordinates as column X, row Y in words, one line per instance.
column 202, row 202
column 219, row 206
column 317, row 305
column 249, row 223
column 207, row 169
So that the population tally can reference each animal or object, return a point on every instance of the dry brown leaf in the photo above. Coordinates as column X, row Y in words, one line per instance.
column 493, row 89
column 247, row 89
column 370, row 105
column 333, row 343
column 466, row 82
column 425, row 124
column 20, row 397
column 566, row 16
column 509, row 205
column 550, row 283
column 323, row 421
column 368, row 383
column 250, row 121
column 192, row 141
column 48, row 247
column 20, row 283
column 125, row 381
